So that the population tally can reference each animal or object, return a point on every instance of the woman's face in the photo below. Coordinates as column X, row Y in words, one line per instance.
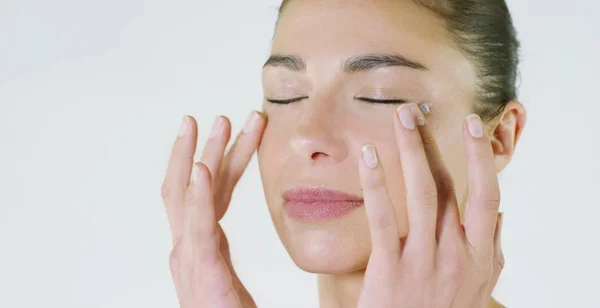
column 333, row 56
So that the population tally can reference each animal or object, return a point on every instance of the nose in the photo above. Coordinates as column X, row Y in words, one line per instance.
column 319, row 136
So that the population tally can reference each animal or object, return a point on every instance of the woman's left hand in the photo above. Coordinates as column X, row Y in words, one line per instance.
column 441, row 262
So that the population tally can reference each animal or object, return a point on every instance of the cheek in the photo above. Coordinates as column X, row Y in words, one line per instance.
column 449, row 139
column 455, row 159
column 272, row 152
column 273, row 155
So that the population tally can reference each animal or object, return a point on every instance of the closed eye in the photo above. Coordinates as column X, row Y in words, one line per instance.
column 381, row 101
column 286, row 101
column 363, row 99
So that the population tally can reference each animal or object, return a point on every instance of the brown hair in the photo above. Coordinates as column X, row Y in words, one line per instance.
column 483, row 31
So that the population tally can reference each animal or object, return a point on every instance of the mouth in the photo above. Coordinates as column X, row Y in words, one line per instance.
column 310, row 203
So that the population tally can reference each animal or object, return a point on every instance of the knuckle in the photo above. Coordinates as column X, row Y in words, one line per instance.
column 166, row 191
column 458, row 260
column 184, row 266
column 457, row 272
column 210, row 234
column 427, row 195
column 491, row 203
column 480, row 155
column 484, row 269
column 487, row 256
column 446, row 185
column 376, row 180
column 482, row 275
column 500, row 261
column 205, row 171
column 385, row 256
column 456, row 264
column 488, row 201
column 176, row 261
column 428, row 140
column 420, row 268
column 427, row 273
column 383, row 222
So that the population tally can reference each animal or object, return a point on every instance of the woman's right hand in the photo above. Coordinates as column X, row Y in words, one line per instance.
column 196, row 196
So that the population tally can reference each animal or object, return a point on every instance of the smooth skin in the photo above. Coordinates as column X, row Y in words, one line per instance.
column 196, row 196
column 336, row 108
column 440, row 264
column 428, row 233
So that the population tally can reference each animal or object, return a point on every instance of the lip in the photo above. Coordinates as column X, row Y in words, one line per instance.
column 319, row 203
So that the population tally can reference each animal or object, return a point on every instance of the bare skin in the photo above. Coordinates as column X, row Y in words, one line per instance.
column 196, row 196
column 316, row 139
column 428, row 233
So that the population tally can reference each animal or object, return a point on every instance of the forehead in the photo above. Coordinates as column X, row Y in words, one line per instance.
column 357, row 26
column 327, row 32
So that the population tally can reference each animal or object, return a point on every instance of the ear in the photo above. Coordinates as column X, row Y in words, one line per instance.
column 506, row 133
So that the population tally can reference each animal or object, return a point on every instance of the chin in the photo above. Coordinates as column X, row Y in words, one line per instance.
column 333, row 247
column 320, row 260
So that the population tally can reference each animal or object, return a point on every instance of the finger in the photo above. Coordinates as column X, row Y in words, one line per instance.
column 200, row 236
column 237, row 160
column 484, row 192
column 448, row 229
column 214, row 148
column 498, row 255
column 421, row 192
column 178, row 172
column 381, row 215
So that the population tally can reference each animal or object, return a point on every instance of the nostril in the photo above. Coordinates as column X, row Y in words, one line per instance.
column 317, row 154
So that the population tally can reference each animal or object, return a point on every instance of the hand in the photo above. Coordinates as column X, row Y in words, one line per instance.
column 440, row 263
column 200, row 262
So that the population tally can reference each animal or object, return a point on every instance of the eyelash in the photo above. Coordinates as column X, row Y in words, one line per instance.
column 363, row 99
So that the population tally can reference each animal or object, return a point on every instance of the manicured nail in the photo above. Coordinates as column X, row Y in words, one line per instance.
column 406, row 117
column 475, row 126
column 252, row 119
column 369, row 156
column 217, row 126
column 195, row 174
column 183, row 128
column 425, row 108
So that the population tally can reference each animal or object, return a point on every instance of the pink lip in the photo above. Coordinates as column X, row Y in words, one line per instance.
column 319, row 203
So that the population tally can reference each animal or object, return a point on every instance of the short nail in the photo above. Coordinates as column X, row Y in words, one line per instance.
column 475, row 126
column 369, row 156
column 183, row 128
column 195, row 174
column 250, row 122
column 217, row 125
column 406, row 117
column 425, row 108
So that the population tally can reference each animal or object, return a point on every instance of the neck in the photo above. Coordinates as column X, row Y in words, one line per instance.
column 340, row 290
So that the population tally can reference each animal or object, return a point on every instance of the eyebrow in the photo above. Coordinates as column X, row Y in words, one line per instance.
column 351, row 65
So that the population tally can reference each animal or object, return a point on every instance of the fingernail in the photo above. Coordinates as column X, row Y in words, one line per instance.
column 217, row 125
column 195, row 174
column 250, row 122
column 475, row 126
column 183, row 128
column 425, row 108
column 369, row 156
column 406, row 117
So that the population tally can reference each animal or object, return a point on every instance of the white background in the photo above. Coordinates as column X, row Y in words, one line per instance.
column 91, row 96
